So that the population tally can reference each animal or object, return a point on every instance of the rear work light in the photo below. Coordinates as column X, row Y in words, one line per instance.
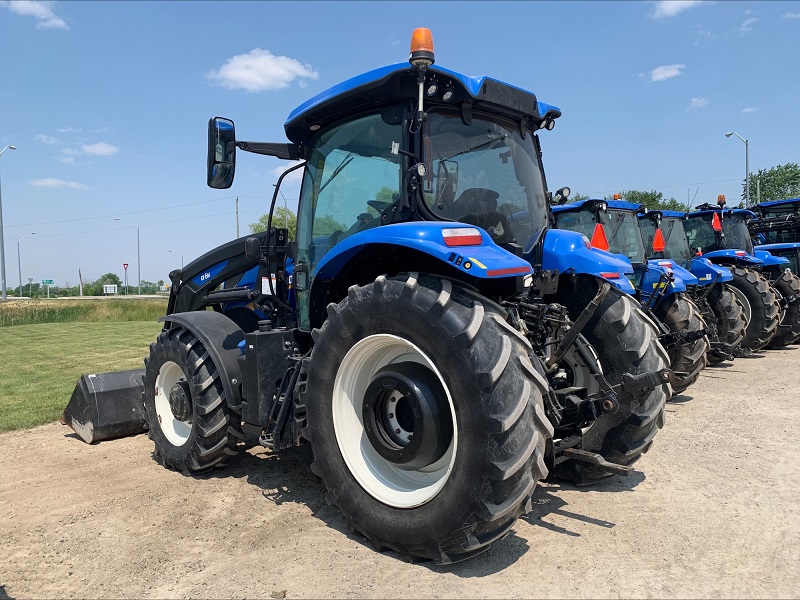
column 462, row 236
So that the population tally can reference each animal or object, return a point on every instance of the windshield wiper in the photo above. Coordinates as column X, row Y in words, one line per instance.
column 347, row 160
column 502, row 137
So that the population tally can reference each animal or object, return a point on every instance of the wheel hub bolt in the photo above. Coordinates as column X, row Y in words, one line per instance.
column 180, row 401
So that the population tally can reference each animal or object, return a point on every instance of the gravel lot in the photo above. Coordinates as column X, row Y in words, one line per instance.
column 713, row 511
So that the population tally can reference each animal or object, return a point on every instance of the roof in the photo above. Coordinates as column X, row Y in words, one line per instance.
column 394, row 83
column 586, row 204
column 773, row 203
column 748, row 214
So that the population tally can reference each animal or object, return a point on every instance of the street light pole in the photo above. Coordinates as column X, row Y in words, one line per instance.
column 138, row 252
column 19, row 260
column 2, row 242
column 171, row 252
column 746, row 167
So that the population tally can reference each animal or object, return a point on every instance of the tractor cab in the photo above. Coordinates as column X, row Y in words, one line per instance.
column 409, row 164
column 722, row 235
column 777, row 230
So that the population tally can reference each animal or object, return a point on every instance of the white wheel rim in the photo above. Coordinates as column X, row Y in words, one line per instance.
column 748, row 311
column 177, row 432
column 581, row 376
column 380, row 478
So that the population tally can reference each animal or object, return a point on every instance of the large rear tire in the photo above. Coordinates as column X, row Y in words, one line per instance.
column 191, row 424
column 760, row 306
column 679, row 313
column 490, row 434
column 788, row 286
column 625, row 341
column 729, row 314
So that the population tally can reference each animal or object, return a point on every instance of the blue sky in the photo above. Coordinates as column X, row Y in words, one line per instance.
column 107, row 103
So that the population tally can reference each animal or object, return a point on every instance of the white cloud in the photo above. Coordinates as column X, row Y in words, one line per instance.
column 69, row 129
column 666, row 72
column 748, row 25
column 41, row 10
column 46, row 139
column 750, row 109
column 99, row 149
column 697, row 103
column 260, row 70
column 293, row 177
column 790, row 15
column 665, row 9
column 52, row 182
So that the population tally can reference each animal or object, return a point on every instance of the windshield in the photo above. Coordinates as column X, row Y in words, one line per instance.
column 737, row 236
column 624, row 237
column 675, row 245
column 700, row 233
column 781, row 210
column 485, row 174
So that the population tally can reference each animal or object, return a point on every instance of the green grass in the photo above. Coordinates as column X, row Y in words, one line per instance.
column 28, row 312
column 41, row 363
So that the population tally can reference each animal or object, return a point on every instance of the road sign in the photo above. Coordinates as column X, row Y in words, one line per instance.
column 125, row 266
column 47, row 282
column 110, row 288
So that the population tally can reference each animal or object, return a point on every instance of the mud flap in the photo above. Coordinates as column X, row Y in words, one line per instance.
column 105, row 406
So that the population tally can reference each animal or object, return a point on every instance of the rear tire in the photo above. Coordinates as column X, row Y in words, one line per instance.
column 788, row 286
column 762, row 307
column 191, row 424
column 625, row 341
column 729, row 313
column 679, row 313
column 457, row 506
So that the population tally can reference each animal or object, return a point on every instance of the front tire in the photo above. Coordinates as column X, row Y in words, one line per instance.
column 788, row 286
column 191, row 424
column 625, row 341
column 729, row 314
column 470, row 368
column 679, row 313
column 760, row 305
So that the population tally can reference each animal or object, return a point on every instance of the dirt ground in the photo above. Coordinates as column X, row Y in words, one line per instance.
column 713, row 511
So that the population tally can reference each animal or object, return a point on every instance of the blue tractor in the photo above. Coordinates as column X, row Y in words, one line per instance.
column 665, row 238
column 761, row 281
column 418, row 333
column 776, row 229
column 659, row 285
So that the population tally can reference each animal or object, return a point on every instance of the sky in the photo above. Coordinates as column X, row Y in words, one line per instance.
column 108, row 104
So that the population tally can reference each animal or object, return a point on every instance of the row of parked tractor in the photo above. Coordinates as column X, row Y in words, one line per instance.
column 720, row 282
column 434, row 331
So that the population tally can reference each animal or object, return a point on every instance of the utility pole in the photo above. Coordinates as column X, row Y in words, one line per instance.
column 237, row 217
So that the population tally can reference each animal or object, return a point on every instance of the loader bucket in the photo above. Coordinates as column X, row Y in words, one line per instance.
column 106, row 406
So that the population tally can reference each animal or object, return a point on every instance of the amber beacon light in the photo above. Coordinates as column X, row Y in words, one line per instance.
column 421, row 47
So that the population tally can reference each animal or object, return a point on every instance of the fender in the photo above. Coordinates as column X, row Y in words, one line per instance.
column 221, row 337
column 653, row 279
column 733, row 256
column 782, row 246
column 484, row 260
column 708, row 273
column 688, row 277
column 571, row 252
column 771, row 261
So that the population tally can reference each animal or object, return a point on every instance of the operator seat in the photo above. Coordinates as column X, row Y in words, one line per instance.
column 478, row 206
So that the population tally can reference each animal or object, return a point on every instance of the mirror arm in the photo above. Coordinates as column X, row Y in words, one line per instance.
column 285, row 151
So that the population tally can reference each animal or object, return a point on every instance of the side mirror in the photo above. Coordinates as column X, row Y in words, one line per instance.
column 446, row 181
column 221, row 163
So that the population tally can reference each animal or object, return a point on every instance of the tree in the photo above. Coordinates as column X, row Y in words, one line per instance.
column 578, row 198
column 279, row 219
column 653, row 200
column 777, row 183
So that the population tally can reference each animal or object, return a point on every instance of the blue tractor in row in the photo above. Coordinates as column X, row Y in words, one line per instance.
column 659, row 285
column 427, row 332
column 665, row 237
column 776, row 229
column 763, row 283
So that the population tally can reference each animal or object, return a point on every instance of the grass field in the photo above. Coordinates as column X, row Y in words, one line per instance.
column 28, row 312
column 41, row 363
